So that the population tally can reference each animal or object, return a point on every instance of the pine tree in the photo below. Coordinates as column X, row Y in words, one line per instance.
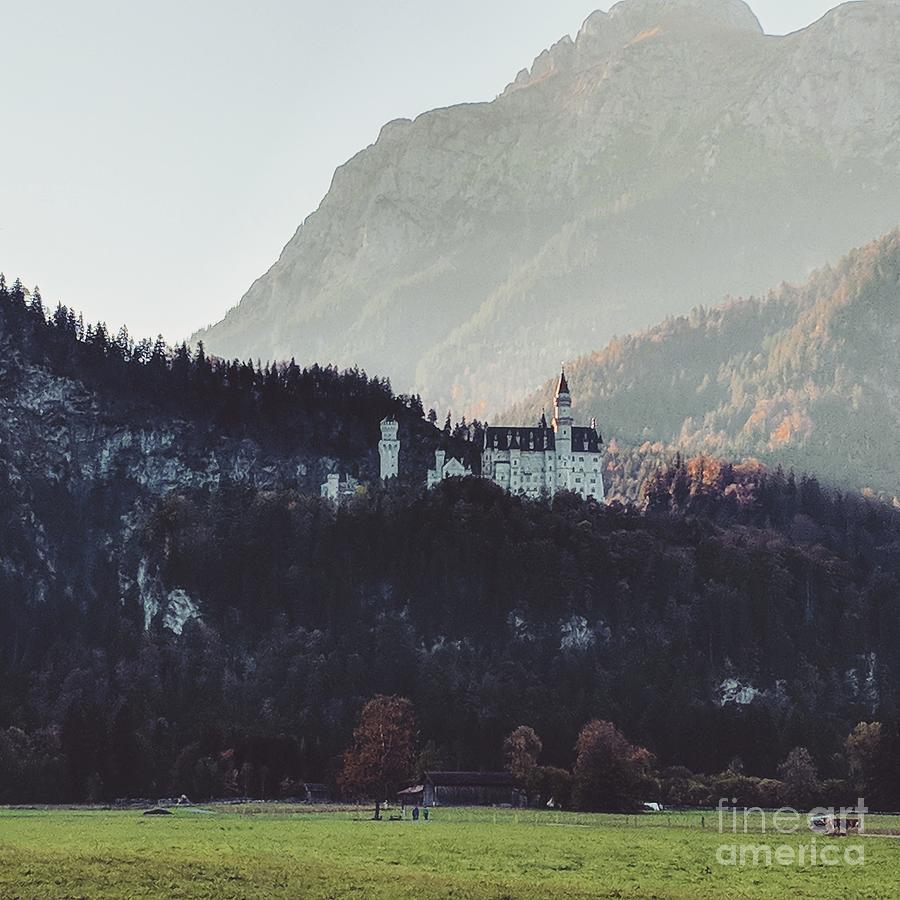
column 124, row 346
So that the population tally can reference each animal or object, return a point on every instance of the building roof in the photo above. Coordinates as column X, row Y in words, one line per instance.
column 563, row 387
column 536, row 438
column 415, row 789
column 469, row 779
column 584, row 440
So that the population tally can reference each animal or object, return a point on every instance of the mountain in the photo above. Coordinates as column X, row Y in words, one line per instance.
column 806, row 377
column 180, row 611
column 668, row 156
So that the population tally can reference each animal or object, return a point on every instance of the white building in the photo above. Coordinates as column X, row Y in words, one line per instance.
column 389, row 449
column 542, row 460
column 337, row 489
column 446, row 468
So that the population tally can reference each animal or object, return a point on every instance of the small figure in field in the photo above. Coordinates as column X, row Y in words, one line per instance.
column 415, row 814
column 425, row 813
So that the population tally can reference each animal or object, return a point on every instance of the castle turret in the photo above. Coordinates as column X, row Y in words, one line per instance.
column 389, row 448
column 563, row 421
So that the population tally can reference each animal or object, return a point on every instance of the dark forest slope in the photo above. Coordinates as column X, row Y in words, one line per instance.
column 180, row 611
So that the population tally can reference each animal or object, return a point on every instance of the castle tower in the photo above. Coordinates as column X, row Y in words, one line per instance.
column 389, row 448
column 563, row 421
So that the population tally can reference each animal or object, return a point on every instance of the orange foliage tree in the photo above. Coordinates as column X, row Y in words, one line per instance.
column 521, row 750
column 609, row 769
column 382, row 755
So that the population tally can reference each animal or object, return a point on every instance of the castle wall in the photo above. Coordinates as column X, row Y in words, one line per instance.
column 541, row 473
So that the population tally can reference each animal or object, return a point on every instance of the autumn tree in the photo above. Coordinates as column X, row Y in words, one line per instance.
column 609, row 769
column 521, row 751
column 800, row 778
column 862, row 746
column 382, row 755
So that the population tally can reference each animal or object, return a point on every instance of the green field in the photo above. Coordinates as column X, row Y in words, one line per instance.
column 261, row 851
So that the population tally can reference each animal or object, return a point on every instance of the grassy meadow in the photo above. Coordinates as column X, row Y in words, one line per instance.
column 268, row 851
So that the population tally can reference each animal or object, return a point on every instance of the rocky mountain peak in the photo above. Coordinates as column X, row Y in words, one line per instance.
column 858, row 26
column 631, row 21
column 668, row 155
column 733, row 14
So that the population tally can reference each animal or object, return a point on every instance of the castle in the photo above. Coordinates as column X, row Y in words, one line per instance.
column 389, row 449
column 545, row 459
column 534, row 462
column 446, row 468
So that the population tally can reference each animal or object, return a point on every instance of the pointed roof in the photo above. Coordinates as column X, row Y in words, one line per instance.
column 543, row 422
column 563, row 384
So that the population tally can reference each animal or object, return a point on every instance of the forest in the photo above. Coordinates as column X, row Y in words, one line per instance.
column 805, row 376
column 316, row 410
column 726, row 616
column 484, row 610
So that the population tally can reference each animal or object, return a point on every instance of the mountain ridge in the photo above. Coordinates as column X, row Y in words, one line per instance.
column 478, row 245
column 805, row 376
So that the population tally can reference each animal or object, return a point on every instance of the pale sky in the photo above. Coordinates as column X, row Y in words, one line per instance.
column 157, row 156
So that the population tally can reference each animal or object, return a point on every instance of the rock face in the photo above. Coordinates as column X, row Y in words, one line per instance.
column 63, row 446
column 669, row 155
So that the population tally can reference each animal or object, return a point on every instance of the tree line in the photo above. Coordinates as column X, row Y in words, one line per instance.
column 726, row 611
column 741, row 615
column 315, row 408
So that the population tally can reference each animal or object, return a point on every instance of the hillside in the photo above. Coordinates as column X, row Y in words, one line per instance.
column 745, row 614
column 181, row 611
column 806, row 377
column 95, row 429
column 670, row 155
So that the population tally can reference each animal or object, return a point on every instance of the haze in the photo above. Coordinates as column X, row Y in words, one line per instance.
column 157, row 157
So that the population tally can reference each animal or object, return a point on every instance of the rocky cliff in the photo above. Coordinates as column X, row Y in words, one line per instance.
column 93, row 437
column 669, row 155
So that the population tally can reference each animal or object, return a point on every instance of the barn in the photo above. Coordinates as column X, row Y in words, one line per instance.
column 471, row 789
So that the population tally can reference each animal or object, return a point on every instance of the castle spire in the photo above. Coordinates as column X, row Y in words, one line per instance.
column 562, row 421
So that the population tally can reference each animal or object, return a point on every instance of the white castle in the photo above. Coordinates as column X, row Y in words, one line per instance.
column 535, row 462
column 338, row 488
column 446, row 468
column 389, row 449
column 542, row 460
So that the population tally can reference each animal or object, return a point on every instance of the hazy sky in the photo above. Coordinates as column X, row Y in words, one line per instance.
column 157, row 156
